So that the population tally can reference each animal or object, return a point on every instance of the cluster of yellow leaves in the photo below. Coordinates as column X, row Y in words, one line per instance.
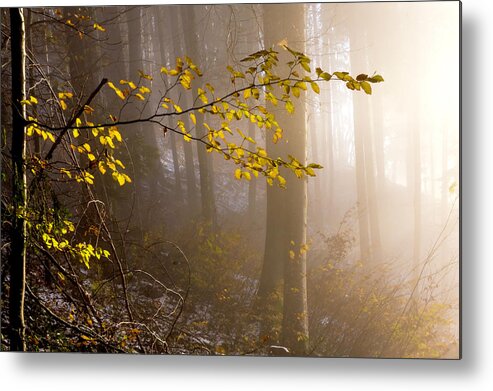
column 131, row 90
column 33, row 129
column 54, row 237
column 100, row 157
column 256, row 84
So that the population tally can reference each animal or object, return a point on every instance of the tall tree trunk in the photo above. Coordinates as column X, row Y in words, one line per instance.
column 416, row 185
column 142, row 145
column 173, row 17
column 287, row 209
column 161, row 21
column 205, row 162
column 19, row 188
column 369, row 225
column 360, row 122
column 252, row 185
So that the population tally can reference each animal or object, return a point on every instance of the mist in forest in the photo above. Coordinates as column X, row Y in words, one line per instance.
column 240, row 179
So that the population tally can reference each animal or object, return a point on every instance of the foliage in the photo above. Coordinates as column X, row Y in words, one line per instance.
column 360, row 310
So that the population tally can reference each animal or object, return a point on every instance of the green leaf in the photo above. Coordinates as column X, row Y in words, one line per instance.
column 376, row 79
column 290, row 107
column 305, row 66
column 315, row 87
column 366, row 87
column 300, row 84
column 341, row 75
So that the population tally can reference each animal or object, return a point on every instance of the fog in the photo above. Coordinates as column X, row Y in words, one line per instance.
column 359, row 260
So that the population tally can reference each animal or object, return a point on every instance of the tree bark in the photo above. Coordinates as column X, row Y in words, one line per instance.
column 287, row 209
column 19, row 188
column 205, row 162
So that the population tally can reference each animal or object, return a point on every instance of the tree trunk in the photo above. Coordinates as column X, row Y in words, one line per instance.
column 19, row 188
column 287, row 209
column 252, row 185
column 191, row 181
column 161, row 22
column 205, row 162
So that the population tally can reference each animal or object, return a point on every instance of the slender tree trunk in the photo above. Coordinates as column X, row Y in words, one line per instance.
column 416, row 162
column 205, row 162
column 191, row 181
column 252, row 185
column 367, row 211
column 19, row 188
column 287, row 209
column 161, row 22
column 361, row 188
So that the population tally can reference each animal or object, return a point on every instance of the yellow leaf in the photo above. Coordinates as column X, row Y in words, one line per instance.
column 65, row 95
column 144, row 76
column 290, row 107
column 87, row 147
column 33, row 100
column 88, row 109
column 300, row 84
column 113, row 132
column 118, row 177
column 144, row 90
column 76, row 133
column 193, row 118
column 63, row 104
column 315, row 87
column 366, row 87
column 177, row 108
column 117, row 90
column 51, row 137
column 291, row 254
column 101, row 168
column 139, row 96
column 91, row 157
column 98, row 27
column 238, row 173
column 305, row 66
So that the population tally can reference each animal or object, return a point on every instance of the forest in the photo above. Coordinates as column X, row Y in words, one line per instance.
column 233, row 179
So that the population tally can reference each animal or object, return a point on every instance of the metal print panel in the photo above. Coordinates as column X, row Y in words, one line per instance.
column 243, row 179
